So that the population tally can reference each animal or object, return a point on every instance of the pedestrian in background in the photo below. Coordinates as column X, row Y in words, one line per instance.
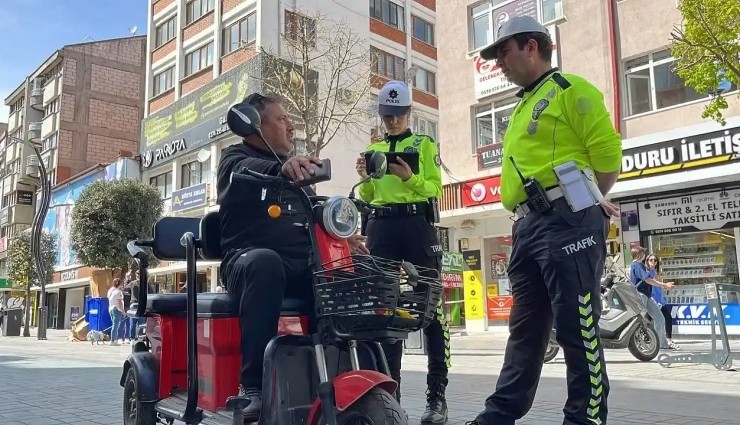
column 116, row 310
column 652, row 263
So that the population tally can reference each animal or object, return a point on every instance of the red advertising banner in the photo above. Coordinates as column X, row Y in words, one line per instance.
column 499, row 307
column 483, row 191
column 452, row 280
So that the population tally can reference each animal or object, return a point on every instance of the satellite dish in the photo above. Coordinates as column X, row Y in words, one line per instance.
column 133, row 29
column 203, row 155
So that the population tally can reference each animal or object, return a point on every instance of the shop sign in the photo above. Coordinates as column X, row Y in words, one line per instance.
column 480, row 192
column 68, row 275
column 163, row 152
column 691, row 213
column 499, row 307
column 488, row 78
column 687, row 153
column 452, row 270
column 189, row 197
column 5, row 283
column 473, row 286
column 490, row 156
column 698, row 314
column 25, row 197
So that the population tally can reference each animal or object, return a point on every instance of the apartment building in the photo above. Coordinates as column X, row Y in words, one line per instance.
column 672, row 157
column 81, row 106
column 202, row 56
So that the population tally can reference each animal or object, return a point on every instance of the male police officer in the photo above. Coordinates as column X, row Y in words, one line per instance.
column 561, row 156
column 404, row 229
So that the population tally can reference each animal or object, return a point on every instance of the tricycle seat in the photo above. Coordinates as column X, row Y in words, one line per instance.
column 212, row 305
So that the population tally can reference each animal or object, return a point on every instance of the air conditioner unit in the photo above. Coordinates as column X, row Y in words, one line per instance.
column 37, row 92
column 34, row 131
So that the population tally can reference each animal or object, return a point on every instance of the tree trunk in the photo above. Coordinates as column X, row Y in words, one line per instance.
column 27, row 307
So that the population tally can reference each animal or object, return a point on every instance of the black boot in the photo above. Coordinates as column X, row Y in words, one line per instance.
column 436, row 411
column 252, row 411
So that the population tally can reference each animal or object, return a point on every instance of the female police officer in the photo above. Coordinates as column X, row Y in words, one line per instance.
column 404, row 230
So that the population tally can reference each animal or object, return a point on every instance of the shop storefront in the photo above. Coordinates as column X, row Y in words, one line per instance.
column 680, row 198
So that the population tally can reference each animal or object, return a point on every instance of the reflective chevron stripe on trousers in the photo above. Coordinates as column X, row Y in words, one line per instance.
column 557, row 261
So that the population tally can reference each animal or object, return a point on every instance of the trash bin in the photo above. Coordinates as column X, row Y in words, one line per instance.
column 96, row 314
column 12, row 322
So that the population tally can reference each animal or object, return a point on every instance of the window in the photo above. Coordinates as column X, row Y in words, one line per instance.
column 18, row 105
column 163, row 183
column 163, row 81
column 425, row 80
column 52, row 107
column 422, row 30
column 481, row 25
column 552, row 10
column 195, row 173
column 426, row 126
column 50, row 142
column 491, row 122
column 652, row 85
column 300, row 28
column 165, row 32
column 199, row 59
column 387, row 65
column 197, row 8
column 389, row 13
column 240, row 33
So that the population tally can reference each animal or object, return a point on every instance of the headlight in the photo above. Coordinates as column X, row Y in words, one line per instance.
column 340, row 217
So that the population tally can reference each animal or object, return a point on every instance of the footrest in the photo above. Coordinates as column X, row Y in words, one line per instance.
column 236, row 404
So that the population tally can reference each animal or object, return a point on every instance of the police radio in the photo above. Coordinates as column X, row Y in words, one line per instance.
column 536, row 194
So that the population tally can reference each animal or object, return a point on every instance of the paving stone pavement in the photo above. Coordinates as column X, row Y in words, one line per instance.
column 60, row 382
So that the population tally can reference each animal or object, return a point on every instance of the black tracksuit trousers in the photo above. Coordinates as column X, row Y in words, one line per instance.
column 556, row 264
column 413, row 239
column 258, row 280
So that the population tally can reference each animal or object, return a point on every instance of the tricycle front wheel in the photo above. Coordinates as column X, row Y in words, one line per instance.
column 134, row 411
column 377, row 407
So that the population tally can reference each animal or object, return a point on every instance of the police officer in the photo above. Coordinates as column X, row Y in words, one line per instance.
column 404, row 230
column 561, row 156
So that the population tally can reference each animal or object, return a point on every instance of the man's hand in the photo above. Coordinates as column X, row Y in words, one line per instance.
column 361, row 167
column 400, row 169
column 357, row 244
column 299, row 168
column 668, row 285
column 610, row 208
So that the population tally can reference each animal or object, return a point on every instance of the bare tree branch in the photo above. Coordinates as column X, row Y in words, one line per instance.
column 323, row 76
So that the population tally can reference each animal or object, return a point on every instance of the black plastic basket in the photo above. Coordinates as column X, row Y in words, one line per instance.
column 367, row 294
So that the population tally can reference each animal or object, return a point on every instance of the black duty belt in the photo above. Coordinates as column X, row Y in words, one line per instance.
column 401, row 210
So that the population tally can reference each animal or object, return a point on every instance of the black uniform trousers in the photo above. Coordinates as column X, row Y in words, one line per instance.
column 258, row 280
column 556, row 264
column 413, row 239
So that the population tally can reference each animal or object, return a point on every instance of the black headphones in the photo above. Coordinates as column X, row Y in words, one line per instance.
column 243, row 119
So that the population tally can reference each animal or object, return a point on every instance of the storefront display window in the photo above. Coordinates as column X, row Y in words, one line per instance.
column 498, row 289
column 693, row 259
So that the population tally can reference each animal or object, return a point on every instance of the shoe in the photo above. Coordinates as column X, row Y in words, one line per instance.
column 436, row 411
column 252, row 411
column 674, row 346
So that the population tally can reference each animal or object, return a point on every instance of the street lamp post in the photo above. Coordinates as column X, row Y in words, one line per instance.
column 36, row 230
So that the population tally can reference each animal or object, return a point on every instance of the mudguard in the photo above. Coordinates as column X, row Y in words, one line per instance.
column 350, row 387
column 146, row 370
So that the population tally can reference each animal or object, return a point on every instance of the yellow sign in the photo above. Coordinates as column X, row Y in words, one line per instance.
column 474, row 296
column 492, row 290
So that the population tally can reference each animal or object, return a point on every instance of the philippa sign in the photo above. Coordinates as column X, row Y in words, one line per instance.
column 689, row 213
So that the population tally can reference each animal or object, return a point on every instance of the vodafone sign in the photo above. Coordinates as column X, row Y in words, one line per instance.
column 483, row 191
column 488, row 77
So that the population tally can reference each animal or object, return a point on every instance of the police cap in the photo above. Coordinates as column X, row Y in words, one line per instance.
column 510, row 28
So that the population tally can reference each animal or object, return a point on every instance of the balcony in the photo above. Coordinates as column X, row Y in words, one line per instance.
column 15, row 120
column 20, row 214
column 51, row 91
column 49, row 125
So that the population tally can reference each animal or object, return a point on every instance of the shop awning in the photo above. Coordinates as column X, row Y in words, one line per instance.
column 54, row 287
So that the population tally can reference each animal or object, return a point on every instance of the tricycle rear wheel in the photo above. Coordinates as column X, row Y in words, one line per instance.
column 134, row 411
column 376, row 407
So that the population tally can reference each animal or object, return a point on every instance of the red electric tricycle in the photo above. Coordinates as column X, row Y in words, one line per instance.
column 186, row 365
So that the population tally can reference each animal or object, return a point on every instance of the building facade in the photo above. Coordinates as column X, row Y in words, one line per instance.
column 671, row 154
column 203, row 56
column 81, row 107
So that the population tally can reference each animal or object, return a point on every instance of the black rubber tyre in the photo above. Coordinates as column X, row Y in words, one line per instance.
column 552, row 351
column 644, row 344
column 134, row 411
column 377, row 407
